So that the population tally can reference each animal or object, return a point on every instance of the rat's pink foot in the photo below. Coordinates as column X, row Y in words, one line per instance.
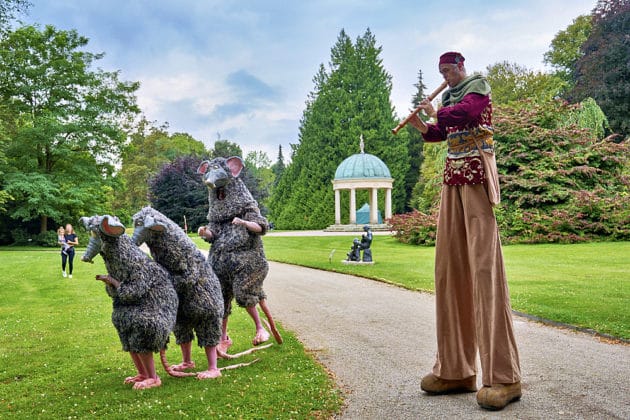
column 148, row 383
column 261, row 337
column 183, row 366
column 134, row 379
column 224, row 345
column 209, row 374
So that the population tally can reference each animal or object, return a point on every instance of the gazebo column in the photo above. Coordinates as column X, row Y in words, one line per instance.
column 388, row 203
column 353, row 206
column 337, row 208
column 374, row 206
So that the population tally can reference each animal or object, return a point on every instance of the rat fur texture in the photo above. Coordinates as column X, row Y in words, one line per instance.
column 200, row 300
column 145, row 304
column 237, row 255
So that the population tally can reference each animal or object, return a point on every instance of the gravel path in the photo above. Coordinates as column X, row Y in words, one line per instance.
column 379, row 340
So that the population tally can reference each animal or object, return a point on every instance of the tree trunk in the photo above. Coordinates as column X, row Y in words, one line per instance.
column 43, row 224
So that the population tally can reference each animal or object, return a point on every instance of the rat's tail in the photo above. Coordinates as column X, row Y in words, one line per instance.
column 243, row 353
column 169, row 369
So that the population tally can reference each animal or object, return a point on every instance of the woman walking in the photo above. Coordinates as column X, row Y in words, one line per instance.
column 67, row 254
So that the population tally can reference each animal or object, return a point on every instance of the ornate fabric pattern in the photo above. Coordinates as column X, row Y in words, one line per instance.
column 464, row 171
column 463, row 163
column 461, row 143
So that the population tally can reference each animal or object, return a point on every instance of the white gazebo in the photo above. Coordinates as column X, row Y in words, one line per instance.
column 362, row 171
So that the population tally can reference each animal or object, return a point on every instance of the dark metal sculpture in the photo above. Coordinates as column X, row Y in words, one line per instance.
column 361, row 246
column 355, row 251
column 366, row 243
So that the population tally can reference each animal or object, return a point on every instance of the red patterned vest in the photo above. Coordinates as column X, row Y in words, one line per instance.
column 463, row 164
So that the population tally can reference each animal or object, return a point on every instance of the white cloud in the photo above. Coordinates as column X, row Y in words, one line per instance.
column 244, row 70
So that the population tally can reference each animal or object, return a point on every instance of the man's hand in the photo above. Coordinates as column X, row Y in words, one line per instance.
column 204, row 233
column 251, row 226
column 107, row 279
column 416, row 122
column 428, row 109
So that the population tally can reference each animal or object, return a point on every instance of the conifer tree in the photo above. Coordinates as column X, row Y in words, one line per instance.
column 278, row 167
column 351, row 98
column 416, row 144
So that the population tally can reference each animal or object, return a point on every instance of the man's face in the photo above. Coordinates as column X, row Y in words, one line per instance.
column 453, row 73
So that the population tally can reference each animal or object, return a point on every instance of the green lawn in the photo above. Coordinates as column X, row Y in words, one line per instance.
column 585, row 285
column 60, row 357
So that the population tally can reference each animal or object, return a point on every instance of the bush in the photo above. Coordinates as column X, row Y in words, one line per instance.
column 588, row 216
column 21, row 237
column 48, row 239
column 414, row 228
column 177, row 191
column 560, row 181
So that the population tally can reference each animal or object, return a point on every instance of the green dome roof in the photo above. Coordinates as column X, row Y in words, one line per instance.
column 362, row 165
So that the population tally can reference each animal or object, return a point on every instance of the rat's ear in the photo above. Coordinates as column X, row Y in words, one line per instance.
column 203, row 168
column 85, row 222
column 235, row 164
column 111, row 226
column 153, row 224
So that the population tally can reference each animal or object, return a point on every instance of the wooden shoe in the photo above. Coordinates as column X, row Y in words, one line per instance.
column 434, row 385
column 497, row 396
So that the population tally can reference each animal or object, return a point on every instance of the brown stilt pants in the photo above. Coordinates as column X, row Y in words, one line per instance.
column 472, row 299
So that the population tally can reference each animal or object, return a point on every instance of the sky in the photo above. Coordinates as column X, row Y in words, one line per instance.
column 242, row 70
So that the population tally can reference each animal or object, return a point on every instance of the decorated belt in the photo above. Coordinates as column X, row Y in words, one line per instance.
column 464, row 171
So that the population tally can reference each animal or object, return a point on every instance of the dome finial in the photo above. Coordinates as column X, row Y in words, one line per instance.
column 362, row 144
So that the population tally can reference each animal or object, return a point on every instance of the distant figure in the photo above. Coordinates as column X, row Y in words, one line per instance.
column 61, row 240
column 67, row 253
column 366, row 242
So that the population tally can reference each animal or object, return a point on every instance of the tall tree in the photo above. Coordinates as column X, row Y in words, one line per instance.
column 603, row 73
column 278, row 167
column 9, row 9
column 6, row 124
column 513, row 82
column 226, row 148
column 69, row 122
column 416, row 145
column 150, row 148
column 349, row 100
column 566, row 48
column 258, row 165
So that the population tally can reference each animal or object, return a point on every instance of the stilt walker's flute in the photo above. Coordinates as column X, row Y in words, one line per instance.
column 431, row 97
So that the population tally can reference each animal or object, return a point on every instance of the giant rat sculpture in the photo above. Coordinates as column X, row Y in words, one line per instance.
column 200, row 300
column 236, row 254
column 144, row 307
